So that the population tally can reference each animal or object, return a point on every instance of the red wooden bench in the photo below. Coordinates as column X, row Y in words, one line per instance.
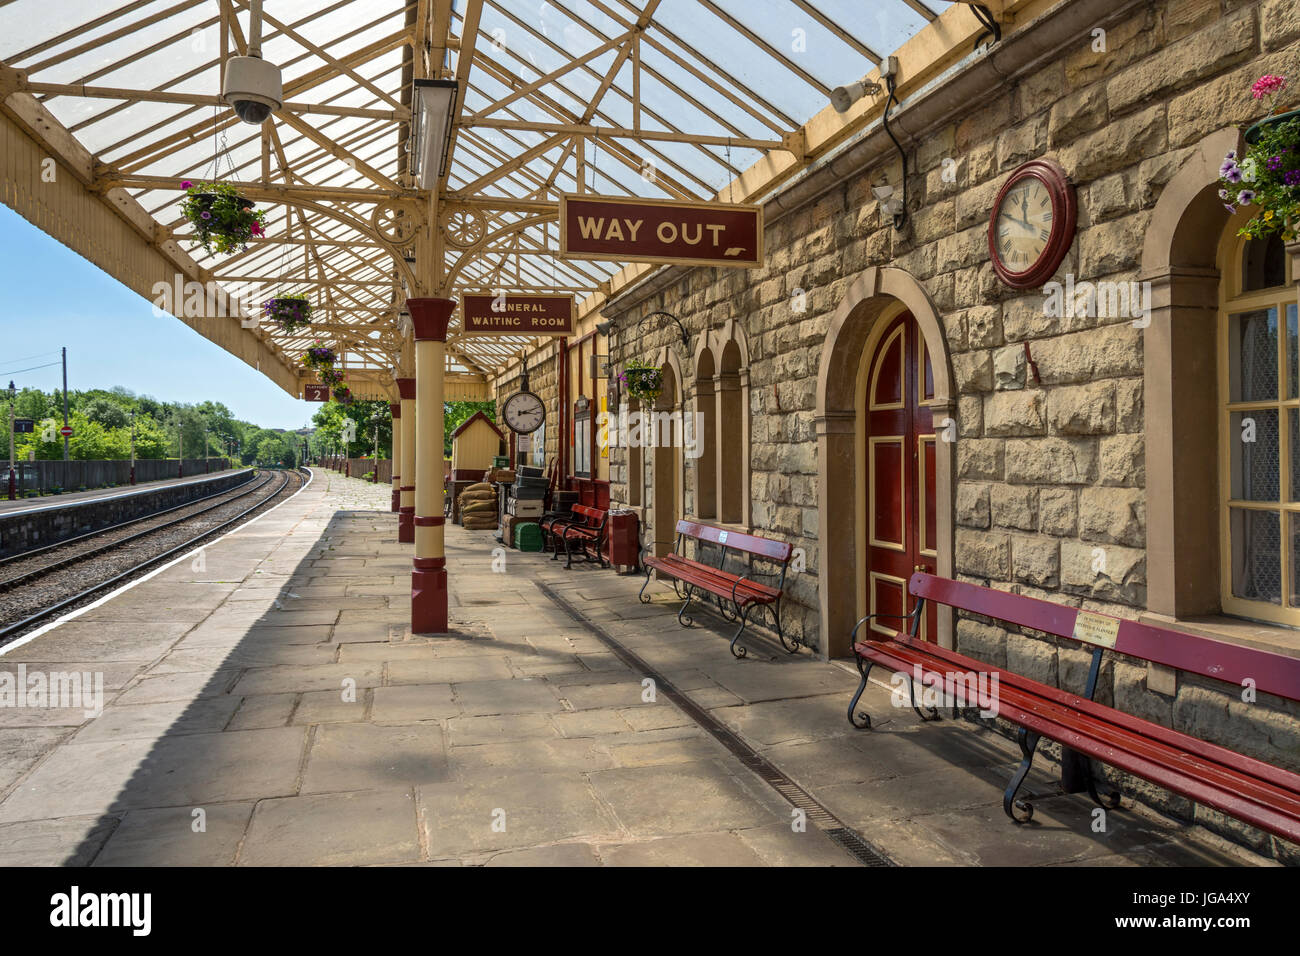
column 737, row 595
column 1251, row 790
column 581, row 532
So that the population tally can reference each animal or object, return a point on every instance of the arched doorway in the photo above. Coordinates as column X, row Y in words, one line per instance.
column 871, row 309
column 898, row 460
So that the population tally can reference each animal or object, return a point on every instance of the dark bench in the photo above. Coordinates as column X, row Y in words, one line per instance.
column 580, row 532
column 1251, row 790
column 737, row 595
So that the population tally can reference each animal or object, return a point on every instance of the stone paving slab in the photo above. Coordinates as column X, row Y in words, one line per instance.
column 270, row 707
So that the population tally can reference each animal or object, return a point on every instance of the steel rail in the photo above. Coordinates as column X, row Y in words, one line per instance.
column 10, row 631
column 21, row 556
column 10, row 583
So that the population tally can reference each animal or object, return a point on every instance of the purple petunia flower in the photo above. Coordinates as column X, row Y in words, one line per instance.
column 1274, row 163
column 205, row 215
column 1233, row 175
column 1231, row 208
column 1246, row 197
column 1224, row 194
column 1292, row 177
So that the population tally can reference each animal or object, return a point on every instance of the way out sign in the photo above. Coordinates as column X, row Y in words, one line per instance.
column 507, row 313
column 660, row 230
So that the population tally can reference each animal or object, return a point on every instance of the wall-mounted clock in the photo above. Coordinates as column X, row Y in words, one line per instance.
column 524, row 412
column 1032, row 225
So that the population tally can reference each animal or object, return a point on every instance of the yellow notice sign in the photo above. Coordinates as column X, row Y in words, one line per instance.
column 1096, row 629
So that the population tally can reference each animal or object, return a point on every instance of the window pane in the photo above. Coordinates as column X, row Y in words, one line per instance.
column 1293, row 520
column 1263, row 264
column 1254, row 440
column 1293, row 416
column 1252, row 355
column 1256, row 555
column 1292, row 353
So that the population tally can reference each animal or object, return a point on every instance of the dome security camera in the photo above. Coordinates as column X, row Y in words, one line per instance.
column 253, row 88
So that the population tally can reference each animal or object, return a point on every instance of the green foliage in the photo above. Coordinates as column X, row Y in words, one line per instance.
column 1267, row 179
column 331, row 418
column 224, row 222
column 101, row 423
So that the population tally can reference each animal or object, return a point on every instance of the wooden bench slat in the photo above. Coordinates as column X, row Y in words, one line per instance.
column 1273, row 673
column 1272, row 808
column 1196, row 749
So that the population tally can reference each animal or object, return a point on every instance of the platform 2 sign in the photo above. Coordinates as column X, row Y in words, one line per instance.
column 661, row 230
column 316, row 393
column 484, row 313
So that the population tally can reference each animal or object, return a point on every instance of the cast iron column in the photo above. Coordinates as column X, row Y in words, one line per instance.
column 396, row 409
column 429, row 576
column 406, row 516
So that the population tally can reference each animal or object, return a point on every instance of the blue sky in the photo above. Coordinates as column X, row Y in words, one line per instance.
column 54, row 298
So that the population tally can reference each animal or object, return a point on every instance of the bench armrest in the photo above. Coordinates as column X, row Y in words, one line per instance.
column 854, row 636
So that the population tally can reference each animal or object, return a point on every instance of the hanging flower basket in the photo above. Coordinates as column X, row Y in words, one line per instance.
column 1267, row 177
column 329, row 375
column 318, row 356
column 224, row 220
column 342, row 394
column 290, row 312
column 642, row 380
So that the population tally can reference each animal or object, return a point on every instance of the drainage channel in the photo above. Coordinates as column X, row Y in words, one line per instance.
column 825, row 821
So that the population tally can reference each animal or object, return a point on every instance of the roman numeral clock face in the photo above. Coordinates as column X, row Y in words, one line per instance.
column 524, row 413
column 1032, row 225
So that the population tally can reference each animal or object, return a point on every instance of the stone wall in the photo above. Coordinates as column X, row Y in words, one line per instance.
column 1050, row 472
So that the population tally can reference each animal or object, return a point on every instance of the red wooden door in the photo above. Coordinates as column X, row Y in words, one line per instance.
column 900, row 452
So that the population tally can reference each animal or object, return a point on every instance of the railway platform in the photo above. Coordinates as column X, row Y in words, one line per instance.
column 264, row 703
column 47, row 502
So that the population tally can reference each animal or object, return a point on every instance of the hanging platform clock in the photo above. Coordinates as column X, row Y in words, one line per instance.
column 1032, row 225
column 523, row 411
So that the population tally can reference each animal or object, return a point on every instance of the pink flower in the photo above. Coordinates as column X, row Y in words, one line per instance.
column 256, row 228
column 186, row 184
column 1268, row 85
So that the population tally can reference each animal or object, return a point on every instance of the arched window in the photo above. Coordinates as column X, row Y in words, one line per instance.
column 705, row 435
column 1259, row 428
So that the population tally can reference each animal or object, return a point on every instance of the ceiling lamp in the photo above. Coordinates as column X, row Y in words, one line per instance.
column 433, row 105
column 252, row 86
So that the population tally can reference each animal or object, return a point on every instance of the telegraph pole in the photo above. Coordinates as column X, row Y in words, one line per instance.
column 65, row 403
column 133, row 446
column 13, row 484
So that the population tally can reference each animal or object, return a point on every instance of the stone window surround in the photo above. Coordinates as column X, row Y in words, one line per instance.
column 1179, row 259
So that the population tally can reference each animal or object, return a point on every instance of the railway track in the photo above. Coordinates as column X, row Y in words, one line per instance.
column 38, row 585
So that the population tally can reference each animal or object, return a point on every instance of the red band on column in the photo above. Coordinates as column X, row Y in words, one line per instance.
column 406, row 388
column 430, row 564
column 421, row 522
column 395, row 408
column 430, row 318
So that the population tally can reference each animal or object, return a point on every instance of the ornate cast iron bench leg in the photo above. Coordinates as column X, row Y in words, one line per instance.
column 911, row 691
column 1028, row 741
column 641, row 596
column 739, row 652
column 864, row 668
column 684, row 619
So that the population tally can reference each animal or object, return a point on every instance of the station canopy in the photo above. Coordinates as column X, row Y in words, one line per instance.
column 721, row 100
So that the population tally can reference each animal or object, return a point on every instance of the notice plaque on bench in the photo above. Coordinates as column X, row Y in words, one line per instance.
column 1096, row 629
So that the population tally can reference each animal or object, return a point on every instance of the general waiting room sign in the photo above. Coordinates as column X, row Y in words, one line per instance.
column 508, row 313
column 662, row 230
